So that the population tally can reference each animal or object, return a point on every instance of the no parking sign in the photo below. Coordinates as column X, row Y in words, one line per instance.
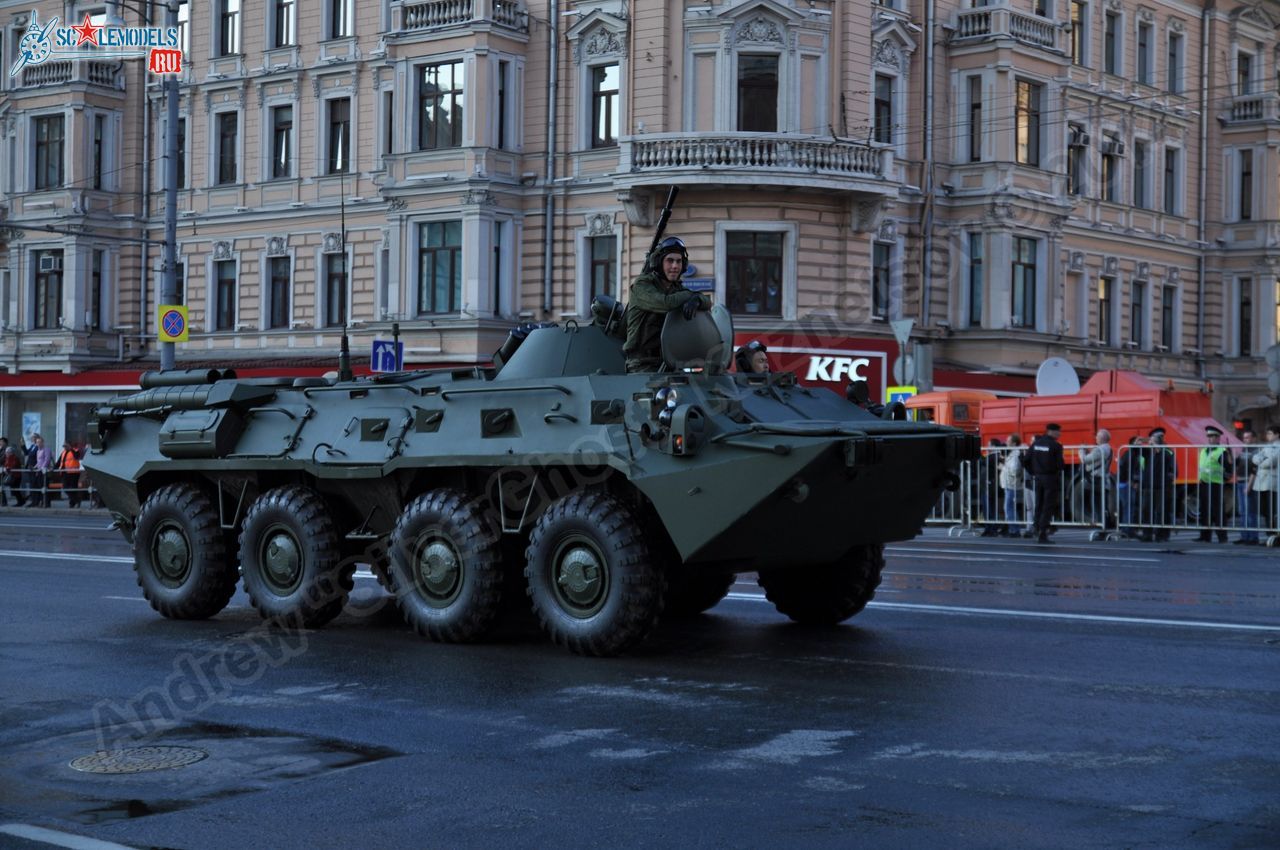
column 171, row 323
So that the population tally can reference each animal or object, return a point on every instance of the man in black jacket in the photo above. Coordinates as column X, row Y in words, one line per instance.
column 1044, row 462
column 1159, row 472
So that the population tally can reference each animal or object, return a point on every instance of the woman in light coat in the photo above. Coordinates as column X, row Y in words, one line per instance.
column 1012, row 480
column 1266, row 479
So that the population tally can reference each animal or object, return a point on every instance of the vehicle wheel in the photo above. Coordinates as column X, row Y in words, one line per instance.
column 446, row 567
column 594, row 582
column 290, row 558
column 690, row 592
column 830, row 594
column 180, row 554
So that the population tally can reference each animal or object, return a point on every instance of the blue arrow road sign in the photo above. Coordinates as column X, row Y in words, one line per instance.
column 387, row 356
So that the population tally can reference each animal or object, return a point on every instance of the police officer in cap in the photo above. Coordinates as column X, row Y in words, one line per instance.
column 1044, row 462
column 654, row 294
column 1158, row 475
column 1214, row 471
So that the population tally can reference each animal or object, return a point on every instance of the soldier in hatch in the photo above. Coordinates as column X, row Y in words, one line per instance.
column 654, row 294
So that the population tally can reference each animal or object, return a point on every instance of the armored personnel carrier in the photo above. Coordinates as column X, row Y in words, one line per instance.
column 553, row 480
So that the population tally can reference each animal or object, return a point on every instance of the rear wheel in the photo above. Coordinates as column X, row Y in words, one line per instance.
column 594, row 582
column 830, row 594
column 289, row 552
column 446, row 567
column 180, row 554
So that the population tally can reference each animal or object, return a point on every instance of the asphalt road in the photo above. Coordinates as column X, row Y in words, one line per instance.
column 996, row 694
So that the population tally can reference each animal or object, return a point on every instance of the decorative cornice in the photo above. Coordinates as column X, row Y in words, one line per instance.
column 277, row 246
column 332, row 244
column 600, row 224
column 758, row 30
column 221, row 251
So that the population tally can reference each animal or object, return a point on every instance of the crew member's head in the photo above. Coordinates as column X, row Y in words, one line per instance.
column 669, row 259
column 752, row 359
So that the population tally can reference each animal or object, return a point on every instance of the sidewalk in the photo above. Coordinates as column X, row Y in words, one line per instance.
column 1181, row 540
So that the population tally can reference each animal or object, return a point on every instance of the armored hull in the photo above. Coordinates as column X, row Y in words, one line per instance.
column 598, row 497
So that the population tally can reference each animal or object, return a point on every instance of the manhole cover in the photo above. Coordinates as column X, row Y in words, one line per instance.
column 137, row 759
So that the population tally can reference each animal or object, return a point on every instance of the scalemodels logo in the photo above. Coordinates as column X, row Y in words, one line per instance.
column 95, row 41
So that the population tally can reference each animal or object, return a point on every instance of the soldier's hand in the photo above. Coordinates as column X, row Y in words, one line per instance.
column 691, row 306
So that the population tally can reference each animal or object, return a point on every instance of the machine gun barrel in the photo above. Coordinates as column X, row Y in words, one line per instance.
column 183, row 377
column 664, row 218
column 177, row 398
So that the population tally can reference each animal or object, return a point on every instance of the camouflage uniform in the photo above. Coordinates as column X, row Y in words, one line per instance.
column 652, row 297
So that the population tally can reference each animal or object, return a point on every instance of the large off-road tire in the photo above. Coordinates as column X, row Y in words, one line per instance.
column 446, row 567
column 826, row 595
column 594, row 582
column 180, row 554
column 291, row 560
column 691, row 592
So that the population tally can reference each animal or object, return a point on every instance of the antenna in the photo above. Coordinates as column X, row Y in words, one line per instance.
column 1056, row 377
column 344, row 353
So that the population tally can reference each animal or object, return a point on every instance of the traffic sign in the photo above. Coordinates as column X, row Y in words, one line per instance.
column 904, row 369
column 902, row 329
column 387, row 356
column 892, row 394
column 171, row 323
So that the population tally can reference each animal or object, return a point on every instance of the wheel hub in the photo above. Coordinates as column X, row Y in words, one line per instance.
column 281, row 559
column 171, row 553
column 580, row 579
column 439, row 572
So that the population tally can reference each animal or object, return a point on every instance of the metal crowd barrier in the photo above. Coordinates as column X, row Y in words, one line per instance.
column 36, row 488
column 1145, row 493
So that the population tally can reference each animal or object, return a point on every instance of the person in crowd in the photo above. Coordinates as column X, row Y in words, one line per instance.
column 1159, row 471
column 1096, row 468
column 1045, row 464
column 9, row 474
column 1266, row 480
column 1213, row 470
column 752, row 358
column 1128, row 485
column 42, row 463
column 1246, row 497
column 654, row 294
column 989, row 486
column 69, row 464
column 1011, row 480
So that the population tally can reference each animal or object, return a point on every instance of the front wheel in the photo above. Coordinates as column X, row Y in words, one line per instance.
column 594, row 581
column 830, row 594
column 180, row 554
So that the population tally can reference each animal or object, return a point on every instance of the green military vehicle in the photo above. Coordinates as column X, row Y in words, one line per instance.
column 553, row 480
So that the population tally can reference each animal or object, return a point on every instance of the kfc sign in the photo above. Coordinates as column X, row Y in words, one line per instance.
column 824, row 367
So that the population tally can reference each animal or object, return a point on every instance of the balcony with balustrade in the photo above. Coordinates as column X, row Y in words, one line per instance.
column 416, row 17
column 755, row 159
column 1251, row 111
column 988, row 24
column 79, row 72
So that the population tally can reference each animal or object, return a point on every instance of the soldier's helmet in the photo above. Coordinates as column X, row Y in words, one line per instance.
column 669, row 245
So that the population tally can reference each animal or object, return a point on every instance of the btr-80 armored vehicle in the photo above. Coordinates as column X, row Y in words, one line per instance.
column 555, row 480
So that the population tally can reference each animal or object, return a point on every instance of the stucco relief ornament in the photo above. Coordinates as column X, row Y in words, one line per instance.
column 1077, row 261
column 888, row 53
column 1173, row 276
column 1114, row 5
column 479, row 196
column 600, row 224
column 1176, row 25
column 397, row 204
column 760, row 30
column 1144, row 271
column 1146, row 15
column 332, row 243
column 601, row 43
column 221, row 251
column 277, row 246
column 888, row 231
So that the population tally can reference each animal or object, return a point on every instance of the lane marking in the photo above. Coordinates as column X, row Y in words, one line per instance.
column 960, row 610
column 1040, row 554
column 59, row 839
column 66, row 556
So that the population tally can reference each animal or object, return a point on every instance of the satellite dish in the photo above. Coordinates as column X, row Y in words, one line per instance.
column 1273, row 356
column 1056, row 377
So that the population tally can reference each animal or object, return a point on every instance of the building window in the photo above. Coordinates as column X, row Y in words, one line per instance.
column 281, row 141
column 1141, row 178
column 1043, row 8
column 1077, row 153
column 1111, row 150
column 977, row 282
column 49, row 140
column 604, row 106
column 975, row 119
column 1145, row 58
column 339, row 123
column 881, row 253
column 758, row 92
column 753, row 272
column 388, row 123
column 286, row 33
column 1244, row 74
column 1168, row 301
column 93, row 310
column 184, row 27
column 179, row 283
column 182, row 153
column 335, row 290
column 504, row 86
column 99, row 141
column 48, row 300
column 224, row 310
column 1245, row 313
column 1138, row 313
column 882, row 115
column 1172, row 170
column 1106, row 326
column 1079, row 33
column 340, row 19
column 1028, row 122
column 228, row 27
column 1245, row 194
column 1024, row 282
column 228, row 129
column 439, row 267
column 1173, row 64
column 278, row 309
column 604, row 266
column 440, row 103
column 1111, row 43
